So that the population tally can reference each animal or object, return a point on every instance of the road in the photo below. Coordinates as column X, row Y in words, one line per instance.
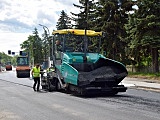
column 18, row 101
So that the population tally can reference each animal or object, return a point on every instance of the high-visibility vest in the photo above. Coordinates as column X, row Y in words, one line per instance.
column 36, row 72
column 50, row 69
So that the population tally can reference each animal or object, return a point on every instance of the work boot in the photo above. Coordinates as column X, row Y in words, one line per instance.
column 34, row 89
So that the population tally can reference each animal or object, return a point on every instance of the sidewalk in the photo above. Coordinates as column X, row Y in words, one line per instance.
column 142, row 83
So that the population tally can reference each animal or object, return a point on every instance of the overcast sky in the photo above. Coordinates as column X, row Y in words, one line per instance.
column 18, row 18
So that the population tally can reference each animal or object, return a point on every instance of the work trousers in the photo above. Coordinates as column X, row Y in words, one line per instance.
column 36, row 83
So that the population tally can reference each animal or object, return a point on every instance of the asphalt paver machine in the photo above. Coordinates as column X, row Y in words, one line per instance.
column 80, row 68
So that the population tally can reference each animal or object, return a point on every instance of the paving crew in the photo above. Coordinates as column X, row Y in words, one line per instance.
column 36, row 76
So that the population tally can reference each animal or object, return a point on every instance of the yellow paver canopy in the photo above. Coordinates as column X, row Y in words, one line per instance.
column 77, row 32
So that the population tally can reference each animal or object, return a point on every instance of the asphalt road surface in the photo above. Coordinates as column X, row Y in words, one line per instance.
column 18, row 101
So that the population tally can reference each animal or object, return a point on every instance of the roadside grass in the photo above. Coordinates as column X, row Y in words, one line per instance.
column 153, row 76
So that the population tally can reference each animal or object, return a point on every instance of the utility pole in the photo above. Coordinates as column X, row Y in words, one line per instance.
column 86, row 27
column 48, row 34
column 0, row 65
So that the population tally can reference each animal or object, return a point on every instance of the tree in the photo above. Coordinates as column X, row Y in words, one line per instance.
column 45, row 46
column 33, row 45
column 86, row 15
column 146, row 30
column 108, row 16
column 38, row 48
column 27, row 45
column 111, row 16
column 64, row 21
column 4, row 58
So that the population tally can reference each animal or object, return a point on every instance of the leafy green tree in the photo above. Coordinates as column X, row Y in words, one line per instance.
column 27, row 45
column 4, row 58
column 145, row 34
column 64, row 21
column 38, row 54
column 33, row 45
column 14, row 60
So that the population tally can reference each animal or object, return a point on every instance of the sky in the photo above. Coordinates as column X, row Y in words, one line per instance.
column 18, row 18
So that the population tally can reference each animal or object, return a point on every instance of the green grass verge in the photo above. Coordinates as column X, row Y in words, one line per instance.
column 155, row 76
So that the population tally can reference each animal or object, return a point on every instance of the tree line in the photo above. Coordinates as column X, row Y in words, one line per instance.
column 131, row 27
column 4, row 58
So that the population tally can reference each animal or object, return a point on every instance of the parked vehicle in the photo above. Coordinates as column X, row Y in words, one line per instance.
column 8, row 66
column 79, row 66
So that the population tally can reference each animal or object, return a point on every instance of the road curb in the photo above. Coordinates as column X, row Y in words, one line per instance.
column 145, row 88
column 149, row 88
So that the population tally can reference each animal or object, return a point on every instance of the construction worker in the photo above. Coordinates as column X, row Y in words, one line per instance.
column 50, row 69
column 36, row 76
column 58, row 45
column 58, row 49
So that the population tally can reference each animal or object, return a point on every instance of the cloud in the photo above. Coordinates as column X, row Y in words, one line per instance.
column 13, row 25
column 27, row 13
column 18, row 18
column 11, row 41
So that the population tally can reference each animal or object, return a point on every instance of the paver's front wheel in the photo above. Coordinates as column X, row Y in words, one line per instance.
column 49, row 87
column 58, row 85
